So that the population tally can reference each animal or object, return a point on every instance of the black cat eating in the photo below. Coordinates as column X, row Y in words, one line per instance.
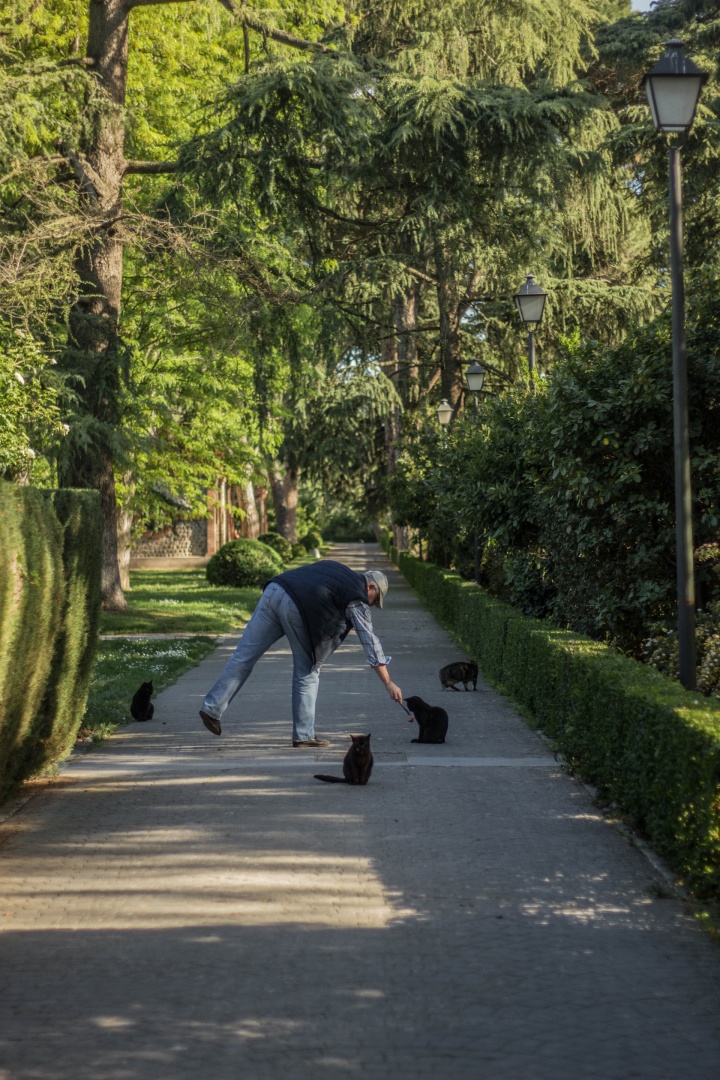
column 357, row 763
column 432, row 720
column 141, row 707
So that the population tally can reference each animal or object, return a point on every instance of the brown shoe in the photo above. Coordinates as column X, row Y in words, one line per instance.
column 211, row 723
column 312, row 742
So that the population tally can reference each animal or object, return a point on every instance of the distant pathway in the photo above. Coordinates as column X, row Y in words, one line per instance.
column 180, row 906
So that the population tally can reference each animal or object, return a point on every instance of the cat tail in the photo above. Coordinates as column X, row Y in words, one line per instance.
column 331, row 779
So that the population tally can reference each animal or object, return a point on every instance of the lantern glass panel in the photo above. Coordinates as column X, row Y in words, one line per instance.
column 531, row 307
column 475, row 375
column 444, row 412
column 673, row 100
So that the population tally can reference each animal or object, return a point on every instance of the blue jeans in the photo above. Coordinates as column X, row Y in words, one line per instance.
column 274, row 617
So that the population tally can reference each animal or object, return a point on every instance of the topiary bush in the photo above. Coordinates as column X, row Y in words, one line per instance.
column 241, row 563
column 312, row 539
column 50, row 562
column 298, row 551
column 278, row 543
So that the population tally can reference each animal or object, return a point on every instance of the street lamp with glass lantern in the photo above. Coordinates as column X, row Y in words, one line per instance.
column 673, row 90
column 530, row 300
column 444, row 413
column 475, row 377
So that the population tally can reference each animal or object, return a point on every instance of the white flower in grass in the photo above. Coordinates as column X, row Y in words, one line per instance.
column 19, row 378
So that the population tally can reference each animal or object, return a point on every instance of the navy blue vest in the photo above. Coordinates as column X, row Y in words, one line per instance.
column 321, row 592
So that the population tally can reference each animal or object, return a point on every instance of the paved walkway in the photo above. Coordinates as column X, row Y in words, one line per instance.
column 181, row 906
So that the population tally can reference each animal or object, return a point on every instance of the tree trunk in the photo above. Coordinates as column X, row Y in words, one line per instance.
column 450, row 351
column 124, row 527
column 389, row 364
column 407, row 353
column 284, row 480
column 94, row 347
column 251, row 521
column 262, row 494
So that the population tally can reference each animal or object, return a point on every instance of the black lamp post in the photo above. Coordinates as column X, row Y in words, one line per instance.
column 530, row 300
column 673, row 90
column 475, row 377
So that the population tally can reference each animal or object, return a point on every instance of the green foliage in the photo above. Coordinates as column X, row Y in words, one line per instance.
column 569, row 484
column 344, row 526
column 661, row 650
column 652, row 748
column 243, row 562
column 30, row 416
column 312, row 539
column 283, row 547
column 50, row 550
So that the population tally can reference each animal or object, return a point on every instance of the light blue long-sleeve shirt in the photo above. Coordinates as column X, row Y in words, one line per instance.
column 359, row 615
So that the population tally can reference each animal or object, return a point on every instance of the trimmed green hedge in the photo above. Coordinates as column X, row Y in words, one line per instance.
column 243, row 563
column 278, row 543
column 50, row 562
column 650, row 746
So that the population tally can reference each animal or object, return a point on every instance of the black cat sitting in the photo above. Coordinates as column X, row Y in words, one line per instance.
column 432, row 720
column 141, row 707
column 357, row 763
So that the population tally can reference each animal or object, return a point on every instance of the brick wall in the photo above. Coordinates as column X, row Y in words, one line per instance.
column 183, row 539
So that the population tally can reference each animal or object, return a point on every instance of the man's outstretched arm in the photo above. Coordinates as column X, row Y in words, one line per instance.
column 394, row 691
column 359, row 615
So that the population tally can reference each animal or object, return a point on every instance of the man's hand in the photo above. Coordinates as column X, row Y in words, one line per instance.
column 395, row 692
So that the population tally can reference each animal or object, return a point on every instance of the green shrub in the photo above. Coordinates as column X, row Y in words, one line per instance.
column 347, row 527
column 243, row 562
column 572, row 484
column 312, row 539
column 278, row 543
column 652, row 748
column 50, row 554
column 298, row 551
column 662, row 653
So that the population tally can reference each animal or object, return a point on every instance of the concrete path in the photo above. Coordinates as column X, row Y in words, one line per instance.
column 180, row 906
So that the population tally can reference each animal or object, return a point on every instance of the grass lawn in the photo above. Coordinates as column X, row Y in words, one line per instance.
column 179, row 602
column 120, row 668
column 160, row 602
column 182, row 602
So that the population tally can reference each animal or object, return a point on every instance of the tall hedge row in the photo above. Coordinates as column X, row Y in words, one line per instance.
column 50, row 561
column 651, row 747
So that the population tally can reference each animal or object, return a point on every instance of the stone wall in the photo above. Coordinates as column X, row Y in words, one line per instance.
column 183, row 539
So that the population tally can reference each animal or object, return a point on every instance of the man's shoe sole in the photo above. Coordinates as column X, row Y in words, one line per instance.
column 211, row 723
column 311, row 743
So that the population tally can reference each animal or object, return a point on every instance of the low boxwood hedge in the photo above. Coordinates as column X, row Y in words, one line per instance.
column 651, row 747
column 312, row 539
column 278, row 543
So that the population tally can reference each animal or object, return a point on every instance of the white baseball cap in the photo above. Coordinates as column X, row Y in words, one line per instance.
column 376, row 577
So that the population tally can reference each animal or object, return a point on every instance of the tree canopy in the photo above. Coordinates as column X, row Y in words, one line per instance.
column 245, row 242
